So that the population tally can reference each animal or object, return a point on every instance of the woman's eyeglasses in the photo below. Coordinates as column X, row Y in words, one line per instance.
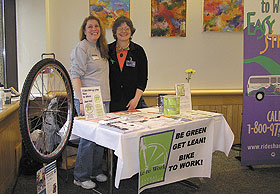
column 123, row 29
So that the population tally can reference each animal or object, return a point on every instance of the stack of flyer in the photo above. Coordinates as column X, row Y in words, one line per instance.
column 120, row 124
column 132, row 120
column 128, row 121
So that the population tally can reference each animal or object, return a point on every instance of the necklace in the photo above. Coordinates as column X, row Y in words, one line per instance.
column 119, row 48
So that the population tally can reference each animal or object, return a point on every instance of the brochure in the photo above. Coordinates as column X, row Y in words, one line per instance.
column 92, row 101
column 128, row 121
column 183, row 91
column 46, row 179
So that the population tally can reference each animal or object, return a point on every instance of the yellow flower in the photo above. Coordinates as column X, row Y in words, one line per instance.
column 189, row 73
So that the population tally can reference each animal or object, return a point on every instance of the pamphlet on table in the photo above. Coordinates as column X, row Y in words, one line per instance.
column 149, row 118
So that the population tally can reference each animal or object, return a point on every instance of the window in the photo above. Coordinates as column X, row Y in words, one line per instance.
column 8, row 56
column 259, row 80
column 1, row 47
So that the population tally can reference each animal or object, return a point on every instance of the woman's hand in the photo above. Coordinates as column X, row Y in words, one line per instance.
column 82, row 111
column 132, row 103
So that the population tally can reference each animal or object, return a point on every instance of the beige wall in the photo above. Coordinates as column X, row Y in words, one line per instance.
column 217, row 57
column 31, row 35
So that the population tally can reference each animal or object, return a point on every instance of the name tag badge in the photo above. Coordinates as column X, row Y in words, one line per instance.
column 130, row 63
column 95, row 57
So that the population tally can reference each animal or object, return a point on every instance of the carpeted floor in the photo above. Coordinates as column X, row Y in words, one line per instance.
column 228, row 177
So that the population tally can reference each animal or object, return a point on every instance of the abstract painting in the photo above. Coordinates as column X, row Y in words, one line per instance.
column 223, row 15
column 168, row 18
column 108, row 10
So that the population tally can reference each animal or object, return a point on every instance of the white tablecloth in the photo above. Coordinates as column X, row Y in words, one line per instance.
column 126, row 146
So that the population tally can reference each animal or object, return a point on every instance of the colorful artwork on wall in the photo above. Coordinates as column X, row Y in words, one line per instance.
column 168, row 18
column 223, row 15
column 109, row 10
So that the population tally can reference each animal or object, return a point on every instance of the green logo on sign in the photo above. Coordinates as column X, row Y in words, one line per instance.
column 89, row 108
column 153, row 157
column 97, row 98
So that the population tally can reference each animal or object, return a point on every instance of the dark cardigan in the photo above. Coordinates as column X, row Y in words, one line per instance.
column 123, row 84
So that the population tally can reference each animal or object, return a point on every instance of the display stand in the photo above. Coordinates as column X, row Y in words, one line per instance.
column 239, row 145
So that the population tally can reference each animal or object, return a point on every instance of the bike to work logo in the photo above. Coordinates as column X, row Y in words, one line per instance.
column 153, row 156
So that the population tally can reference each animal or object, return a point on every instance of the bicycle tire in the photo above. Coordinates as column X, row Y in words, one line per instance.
column 46, row 110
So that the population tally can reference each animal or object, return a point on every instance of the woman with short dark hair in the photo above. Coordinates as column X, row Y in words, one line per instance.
column 128, row 68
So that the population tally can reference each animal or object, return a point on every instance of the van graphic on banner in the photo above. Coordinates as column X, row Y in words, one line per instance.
column 261, row 83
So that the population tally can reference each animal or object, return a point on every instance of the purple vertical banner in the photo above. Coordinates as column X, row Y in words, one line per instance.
column 261, row 83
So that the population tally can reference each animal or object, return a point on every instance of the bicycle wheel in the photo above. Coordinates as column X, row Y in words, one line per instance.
column 46, row 110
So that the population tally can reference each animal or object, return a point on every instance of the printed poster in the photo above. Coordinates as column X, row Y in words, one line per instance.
column 261, row 83
column 183, row 91
column 93, row 103
column 46, row 179
column 176, row 154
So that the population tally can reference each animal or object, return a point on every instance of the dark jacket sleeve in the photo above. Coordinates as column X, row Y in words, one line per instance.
column 142, row 75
